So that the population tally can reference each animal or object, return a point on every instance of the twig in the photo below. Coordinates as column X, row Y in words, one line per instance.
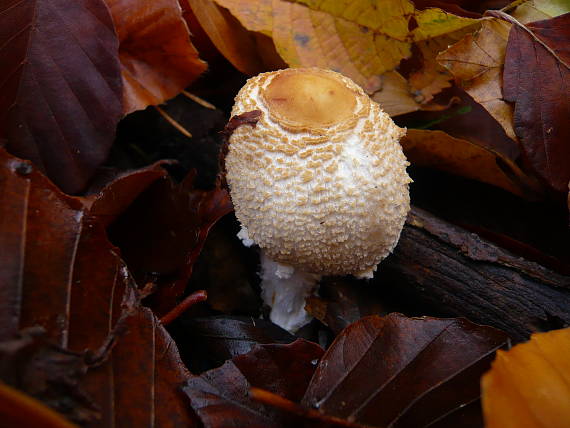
column 170, row 120
column 191, row 300
column 199, row 100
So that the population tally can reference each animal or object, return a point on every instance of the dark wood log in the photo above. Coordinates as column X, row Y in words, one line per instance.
column 460, row 274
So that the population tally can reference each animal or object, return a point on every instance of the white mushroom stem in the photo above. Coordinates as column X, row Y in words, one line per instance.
column 284, row 289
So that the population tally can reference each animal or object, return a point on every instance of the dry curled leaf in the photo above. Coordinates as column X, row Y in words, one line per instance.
column 538, row 10
column 360, row 40
column 436, row 149
column 536, row 77
column 477, row 62
column 529, row 385
column 60, row 86
column 157, row 58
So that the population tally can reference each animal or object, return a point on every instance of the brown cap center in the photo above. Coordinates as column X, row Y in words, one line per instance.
column 309, row 99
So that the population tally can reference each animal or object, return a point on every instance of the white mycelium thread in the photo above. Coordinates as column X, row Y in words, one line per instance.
column 327, row 195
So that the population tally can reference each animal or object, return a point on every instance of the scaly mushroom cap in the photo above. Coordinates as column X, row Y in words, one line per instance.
column 320, row 181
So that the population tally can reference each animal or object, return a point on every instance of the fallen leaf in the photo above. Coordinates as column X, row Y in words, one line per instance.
column 529, row 385
column 405, row 372
column 538, row 10
column 17, row 409
column 436, row 149
column 213, row 340
column 361, row 41
column 342, row 301
column 60, row 272
column 477, row 62
column 221, row 396
column 157, row 58
column 175, row 219
column 536, row 77
column 61, row 86
column 238, row 45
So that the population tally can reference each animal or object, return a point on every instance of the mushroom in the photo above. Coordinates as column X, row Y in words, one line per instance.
column 319, row 183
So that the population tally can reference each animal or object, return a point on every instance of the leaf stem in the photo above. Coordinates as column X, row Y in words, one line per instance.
column 191, row 300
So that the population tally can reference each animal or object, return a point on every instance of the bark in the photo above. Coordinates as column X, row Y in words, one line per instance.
column 460, row 274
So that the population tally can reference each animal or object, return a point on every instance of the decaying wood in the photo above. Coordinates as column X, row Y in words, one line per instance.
column 460, row 274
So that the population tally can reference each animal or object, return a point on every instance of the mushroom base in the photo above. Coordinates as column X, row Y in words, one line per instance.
column 285, row 289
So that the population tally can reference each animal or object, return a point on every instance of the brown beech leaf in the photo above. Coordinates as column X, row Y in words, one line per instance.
column 60, row 86
column 59, row 273
column 220, row 396
column 405, row 372
column 536, row 80
column 436, row 149
column 529, row 385
column 175, row 219
column 214, row 340
column 157, row 58
column 477, row 61
column 342, row 301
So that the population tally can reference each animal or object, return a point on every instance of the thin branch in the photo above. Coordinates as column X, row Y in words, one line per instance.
column 170, row 120
column 199, row 100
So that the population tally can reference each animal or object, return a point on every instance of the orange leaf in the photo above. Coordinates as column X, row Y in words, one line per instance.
column 19, row 409
column 457, row 156
column 157, row 58
column 244, row 49
column 529, row 386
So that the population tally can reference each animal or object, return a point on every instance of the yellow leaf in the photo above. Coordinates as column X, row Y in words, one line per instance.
column 441, row 151
column 477, row 61
column 529, row 385
column 537, row 10
column 364, row 40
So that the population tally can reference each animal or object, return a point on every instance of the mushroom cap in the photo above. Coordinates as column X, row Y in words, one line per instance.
column 319, row 182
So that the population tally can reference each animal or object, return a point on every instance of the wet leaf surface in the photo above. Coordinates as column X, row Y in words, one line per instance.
column 61, row 86
column 405, row 372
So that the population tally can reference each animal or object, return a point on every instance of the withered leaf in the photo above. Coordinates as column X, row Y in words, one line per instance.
column 213, row 340
column 360, row 40
column 176, row 219
column 405, row 372
column 61, row 86
column 157, row 58
column 60, row 272
column 477, row 62
column 17, row 409
column 536, row 77
column 439, row 150
column 221, row 396
column 529, row 385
